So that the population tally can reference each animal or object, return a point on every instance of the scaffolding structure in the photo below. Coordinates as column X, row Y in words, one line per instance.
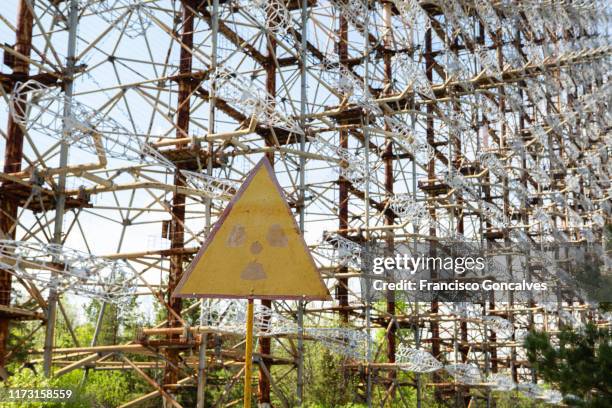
column 400, row 126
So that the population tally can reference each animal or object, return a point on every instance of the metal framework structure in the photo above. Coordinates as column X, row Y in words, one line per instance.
column 446, row 126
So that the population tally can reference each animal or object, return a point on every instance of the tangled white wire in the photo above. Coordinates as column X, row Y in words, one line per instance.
column 229, row 316
column 419, row 361
column 412, row 71
column 128, row 16
column 465, row 373
column 253, row 100
column 39, row 108
column 500, row 382
column 68, row 270
column 530, row 390
column 350, row 343
column 408, row 209
column 273, row 15
column 347, row 252
column 499, row 325
column 215, row 187
column 354, row 169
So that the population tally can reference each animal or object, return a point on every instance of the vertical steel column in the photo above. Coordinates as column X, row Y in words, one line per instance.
column 508, row 242
column 177, row 230
column 365, row 120
column 13, row 154
column 431, row 174
column 265, row 343
column 459, row 215
column 502, row 108
column 214, row 25
column 415, row 229
column 302, row 193
column 389, row 181
column 60, row 205
column 342, row 288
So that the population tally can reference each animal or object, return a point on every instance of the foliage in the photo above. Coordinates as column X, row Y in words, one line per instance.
column 20, row 342
column 580, row 365
column 326, row 383
column 515, row 400
column 101, row 390
column 118, row 323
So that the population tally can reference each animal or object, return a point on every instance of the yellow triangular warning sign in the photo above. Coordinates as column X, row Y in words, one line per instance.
column 255, row 249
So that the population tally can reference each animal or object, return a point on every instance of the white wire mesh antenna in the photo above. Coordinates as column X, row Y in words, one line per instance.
column 465, row 373
column 457, row 17
column 226, row 316
column 347, row 342
column 44, row 113
column 501, row 382
column 499, row 325
column 356, row 12
column 466, row 310
column 409, row 141
column 151, row 155
column 252, row 100
column 338, row 77
column 346, row 251
column 214, row 187
column 355, row 169
column 412, row 13
column 492, row 162
column 68, row 270
column 552, row 396
column 408, row 209
column 271, row 14
column 128, row 16
column 415, row 74
column 530, row 390
column 488, row 62
column 229, row 316
column 419, row 361
column 569, row 319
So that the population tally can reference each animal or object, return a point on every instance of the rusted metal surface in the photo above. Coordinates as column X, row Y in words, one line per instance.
column 177, row 233
column 12, row 163
column 343, row 184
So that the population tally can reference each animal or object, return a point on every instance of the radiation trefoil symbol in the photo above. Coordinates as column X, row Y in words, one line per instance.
column 255, row 249
column 254, row 270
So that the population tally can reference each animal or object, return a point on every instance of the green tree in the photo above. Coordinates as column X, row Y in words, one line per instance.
column 579, row 366
column 103, row 389
column 327, row 384
column 119, row 323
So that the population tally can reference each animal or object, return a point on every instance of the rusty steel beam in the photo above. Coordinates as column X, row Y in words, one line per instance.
column 343, row 189
column 431, row 175
column 265, row 344
column 389, row 191
column 177, row 231
column 13, row 155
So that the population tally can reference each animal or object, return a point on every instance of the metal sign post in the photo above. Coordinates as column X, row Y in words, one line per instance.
column 248, row 355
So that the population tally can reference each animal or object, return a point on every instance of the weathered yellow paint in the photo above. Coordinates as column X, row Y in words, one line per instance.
column 255, row 249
